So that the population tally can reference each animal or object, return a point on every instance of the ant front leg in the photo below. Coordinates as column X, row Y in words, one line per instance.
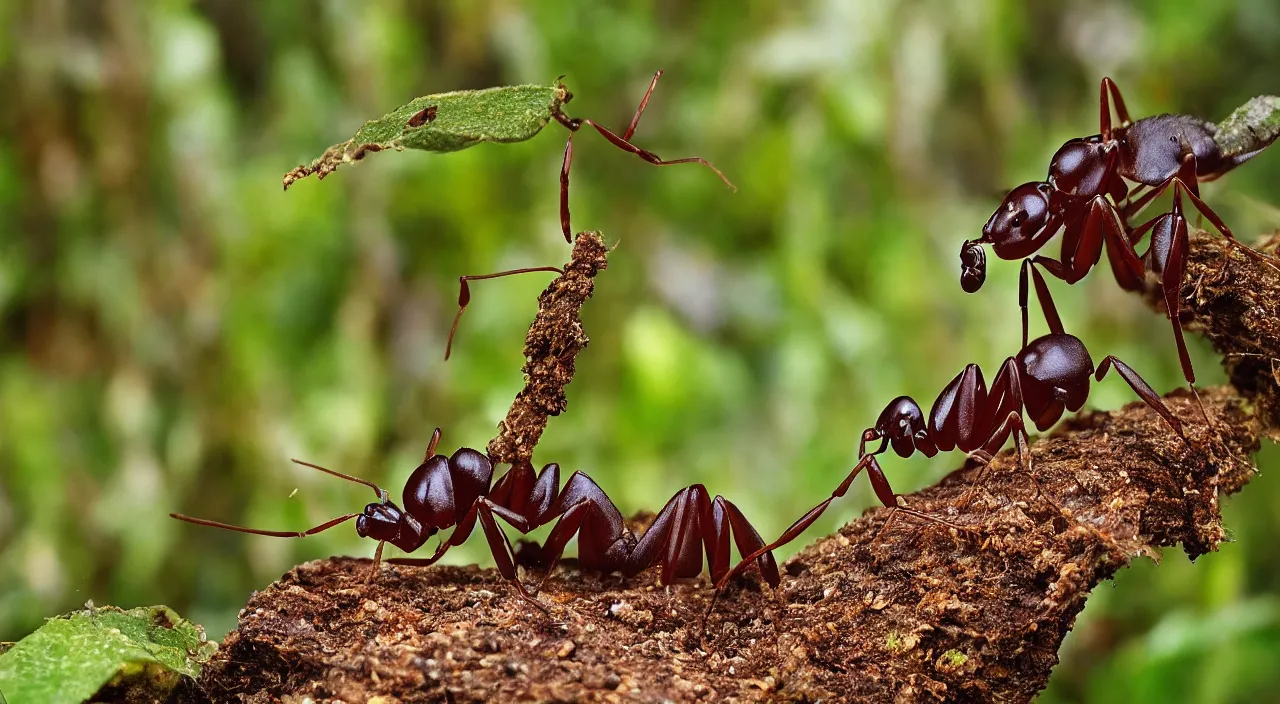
column 464, row 295
column 1014, row 425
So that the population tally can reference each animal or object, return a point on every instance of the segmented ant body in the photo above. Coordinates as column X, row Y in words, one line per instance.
column 1159, row 152
column 456, row 492
column 1048, row 377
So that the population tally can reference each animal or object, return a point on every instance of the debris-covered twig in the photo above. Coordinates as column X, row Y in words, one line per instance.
column 554, row 340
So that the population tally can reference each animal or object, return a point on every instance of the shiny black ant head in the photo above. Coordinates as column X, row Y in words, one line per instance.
column 903, row 424
column 1055, row 371
column 385, row 522
column 1022, row 214
column 973, row 266
column 1081, row 166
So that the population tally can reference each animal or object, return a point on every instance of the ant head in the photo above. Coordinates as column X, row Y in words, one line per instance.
column 1055, row 371
column 973, row 266
column 1081, row 166
column 385, row 522
column 903, row 424
column 1022, row 214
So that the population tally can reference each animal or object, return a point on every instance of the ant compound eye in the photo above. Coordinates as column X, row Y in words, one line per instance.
column 1017, row 219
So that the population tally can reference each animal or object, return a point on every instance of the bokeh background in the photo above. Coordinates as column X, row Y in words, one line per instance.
column 173, row 327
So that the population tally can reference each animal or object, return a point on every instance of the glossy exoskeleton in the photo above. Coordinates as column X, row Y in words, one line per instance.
column 1048, row 377
column 1159, row 152
column 456, row 492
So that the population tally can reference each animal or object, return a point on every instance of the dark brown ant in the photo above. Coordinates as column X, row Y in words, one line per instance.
column 1159, row 152
column 1049, row 376
column 622, row 142
column 455, row 491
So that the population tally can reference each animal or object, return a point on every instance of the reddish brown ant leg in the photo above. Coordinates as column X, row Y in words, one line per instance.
column 1122, row 112
column 644, row 102
column 564, row 189
column 377, row 563
column 652, row 158
column 1144, row 391
column 464, row 295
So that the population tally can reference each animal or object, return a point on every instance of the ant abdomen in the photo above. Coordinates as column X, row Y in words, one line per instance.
column 1055, row 371
column 954, row 419
column 1152, row 149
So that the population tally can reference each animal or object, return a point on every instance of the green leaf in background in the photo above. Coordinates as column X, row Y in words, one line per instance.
column 71, row 657
column 447, row 122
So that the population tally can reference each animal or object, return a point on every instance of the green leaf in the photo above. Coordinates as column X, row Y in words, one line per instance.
column 71, row 657
column 447, row 122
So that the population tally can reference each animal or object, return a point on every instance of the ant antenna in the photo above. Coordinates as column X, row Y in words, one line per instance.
column 270, row 533
column 464, row 298
column 382, row 494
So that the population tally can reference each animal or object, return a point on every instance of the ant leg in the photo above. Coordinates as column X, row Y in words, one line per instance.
column 652, row 158
column 569, row 525
column 1047, row 305
column 464, row 294
column 1144, row 391
column 644, row 102
column 883, row 492
column 1126, row 267
column 568, row 156
column 376, row 489
column 1213, row 217
column 377, row 562
column 564, row 188
column 463, row 531
column 504, row 555
column 1171, row 283
column 801, row 524
column 1121, row 111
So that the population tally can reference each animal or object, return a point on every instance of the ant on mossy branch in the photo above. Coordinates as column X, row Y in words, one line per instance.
column 1158, row 152
column 455, row 491
column 1049, row 376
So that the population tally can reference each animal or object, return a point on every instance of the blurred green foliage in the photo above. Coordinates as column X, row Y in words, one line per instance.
column 175, row 327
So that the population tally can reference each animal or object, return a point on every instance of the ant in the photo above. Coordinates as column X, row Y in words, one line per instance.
column 1160, row 152
column 573, row 124
column 455, row 491
column 1048, row 376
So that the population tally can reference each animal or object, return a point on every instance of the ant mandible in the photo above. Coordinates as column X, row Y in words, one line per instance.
column 1160, row 152
column 455, row 491
column 623, row 142
column 1049, row 376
